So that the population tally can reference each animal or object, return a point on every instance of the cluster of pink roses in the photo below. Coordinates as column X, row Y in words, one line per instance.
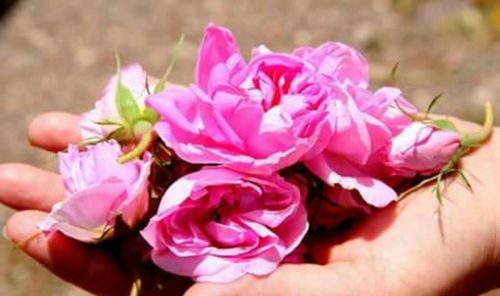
column 250, row 130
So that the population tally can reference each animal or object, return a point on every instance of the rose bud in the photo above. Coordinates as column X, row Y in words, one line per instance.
column 421, row 150
column 121, row 113
column 98, row 189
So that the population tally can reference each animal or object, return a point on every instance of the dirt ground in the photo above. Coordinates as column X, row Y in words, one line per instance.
column 57, row 55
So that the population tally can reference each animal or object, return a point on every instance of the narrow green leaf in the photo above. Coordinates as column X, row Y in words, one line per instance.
column 394, row 72
column 432, row 104
column 437, row 189
column 464, row 178
column 161, row 84
column 412, row 116
column 107, row 122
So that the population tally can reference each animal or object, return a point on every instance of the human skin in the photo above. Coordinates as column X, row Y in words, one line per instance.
column 413, row 247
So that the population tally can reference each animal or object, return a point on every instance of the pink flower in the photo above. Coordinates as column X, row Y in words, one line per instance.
column 421, row 149
column 363, row 123
column 217, row 225
column 256, row 118
column 105, row 118
column 99, row 189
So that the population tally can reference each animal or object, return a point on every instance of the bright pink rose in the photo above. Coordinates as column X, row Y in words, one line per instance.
column 421, row 149
column 217, row 225
column 135, row 79
column 98, row 189
column 363, row 123
column 256, row 118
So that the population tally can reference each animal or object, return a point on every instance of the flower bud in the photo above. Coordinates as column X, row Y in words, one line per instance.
column 421, row 150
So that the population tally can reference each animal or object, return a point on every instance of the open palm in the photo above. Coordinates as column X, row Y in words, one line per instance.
column 415, row 246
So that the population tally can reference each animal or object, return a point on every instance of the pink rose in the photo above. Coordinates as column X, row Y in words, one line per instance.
column 99, row 189
column 256, row 118
column 217, row 225
column 106, row 117
column 421, row 149
column 363, row 123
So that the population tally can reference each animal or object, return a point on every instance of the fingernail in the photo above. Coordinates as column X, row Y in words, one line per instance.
column 4, row 233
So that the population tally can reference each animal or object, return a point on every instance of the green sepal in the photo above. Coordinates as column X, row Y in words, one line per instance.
column 151, row 115
column 394, row 72
column 127, row 105
column 432, row 104
column 125, row 102
column 122, row 135
column 443, row 124
column 161, row 84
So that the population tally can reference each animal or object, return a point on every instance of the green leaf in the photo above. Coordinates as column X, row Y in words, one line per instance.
column 443, row 124
column 432, row 104
column 161, row 84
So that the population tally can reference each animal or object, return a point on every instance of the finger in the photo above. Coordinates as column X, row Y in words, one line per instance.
column 25, row 187
column 300, row 279
column 53, row 131
column 84, row 265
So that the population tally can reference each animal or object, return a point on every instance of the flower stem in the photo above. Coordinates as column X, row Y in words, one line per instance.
column 474, row 139
column 143, row 145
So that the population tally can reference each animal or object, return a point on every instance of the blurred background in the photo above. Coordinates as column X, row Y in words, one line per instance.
column 58, row 54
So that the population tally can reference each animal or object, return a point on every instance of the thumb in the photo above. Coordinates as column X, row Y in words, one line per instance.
column 288, row 279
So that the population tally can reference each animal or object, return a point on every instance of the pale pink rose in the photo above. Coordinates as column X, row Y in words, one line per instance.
column 363, row 123
column 98, row 190
column 217, row 225
column 421, row 150
column 257, row 118
column 136, row 80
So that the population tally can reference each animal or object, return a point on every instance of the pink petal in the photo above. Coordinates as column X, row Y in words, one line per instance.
column 335, row 170
column 218, row 57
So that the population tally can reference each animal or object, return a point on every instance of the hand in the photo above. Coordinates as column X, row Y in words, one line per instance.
column 412, row 247
column 31, row 191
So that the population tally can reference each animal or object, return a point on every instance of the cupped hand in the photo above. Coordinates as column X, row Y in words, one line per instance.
column 413, row 247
